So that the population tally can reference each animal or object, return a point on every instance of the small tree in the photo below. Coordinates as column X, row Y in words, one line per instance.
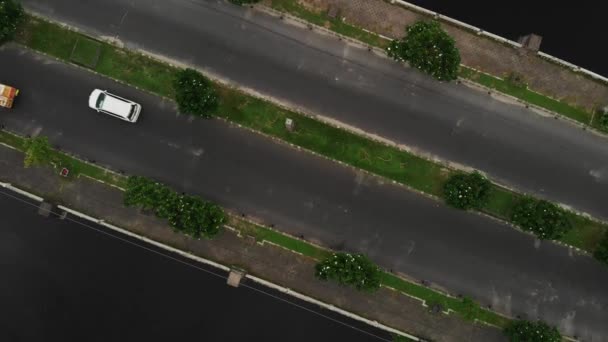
column 601, row 251
column 466, row 191
column 543, row 218
column 350, row 269
column 525, row 331
column 37, row 151
column 197, row 218
column 426, row 46
column 194, row 93
column 11, row 15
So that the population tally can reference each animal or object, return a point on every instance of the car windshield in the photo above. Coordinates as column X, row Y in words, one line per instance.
column 100, row 99
column 132, row 112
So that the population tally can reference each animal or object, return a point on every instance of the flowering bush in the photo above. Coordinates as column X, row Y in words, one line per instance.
column 350, row 269
column 466, row 191
column 543, row 218
column 525, row 331
column 11, row 15
column 188, row 214
column 194, row 93
column 429, row 48
column 601, row 251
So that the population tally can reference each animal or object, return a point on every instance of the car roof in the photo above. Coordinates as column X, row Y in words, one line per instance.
column 116, row 105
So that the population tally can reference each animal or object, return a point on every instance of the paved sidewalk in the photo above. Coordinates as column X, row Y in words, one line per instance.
column 295, row 272
column 477, row 52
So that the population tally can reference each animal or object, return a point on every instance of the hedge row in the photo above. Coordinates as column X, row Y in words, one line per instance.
column 187, row 214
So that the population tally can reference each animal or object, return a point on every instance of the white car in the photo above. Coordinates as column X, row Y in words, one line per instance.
column 113, row 105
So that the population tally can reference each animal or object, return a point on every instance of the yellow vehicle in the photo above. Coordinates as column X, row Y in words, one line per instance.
column 7, row 95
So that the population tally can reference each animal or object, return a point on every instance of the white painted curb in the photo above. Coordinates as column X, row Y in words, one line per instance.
column 21, row 192
column 330, row 307
column 144, row 239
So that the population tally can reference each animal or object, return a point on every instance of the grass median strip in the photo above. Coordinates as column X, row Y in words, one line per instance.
column 338, row 144
column 527, row 95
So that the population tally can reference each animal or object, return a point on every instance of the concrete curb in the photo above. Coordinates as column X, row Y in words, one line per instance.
column 331, row 307
column 215, row 264
column 21, row 192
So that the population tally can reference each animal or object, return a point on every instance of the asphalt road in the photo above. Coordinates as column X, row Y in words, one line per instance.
column 71, row 280
column 514, row 146
column 303, row 194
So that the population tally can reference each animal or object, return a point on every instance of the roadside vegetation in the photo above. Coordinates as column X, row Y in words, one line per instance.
column 526, row 331
column 329, row 141
column 427, row 47
column 11, row 16
column 467, row 191
column 544, row 219
column 601, row 252
column 37, row 151
column 185, row 213
column 194, row 93
column 350, row 269
column 602, row 120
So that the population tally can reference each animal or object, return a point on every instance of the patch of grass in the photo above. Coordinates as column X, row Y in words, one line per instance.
column 333, row 142
column 86, row 52
column 500, row 202
column 322, row 19
column 12, row 140
column 527, row 95
column 266, row 234
column 49, row 38
column 460, row 306
column 76, row 166
column 585, row 233
column 136, row 69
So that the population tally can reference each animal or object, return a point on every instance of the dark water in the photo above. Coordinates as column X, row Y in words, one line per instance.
column 575, row 31
column 66, row 281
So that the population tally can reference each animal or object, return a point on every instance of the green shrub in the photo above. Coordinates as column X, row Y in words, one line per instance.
column 525, row 331
column 188, row 214
column 37, row 151
column 601, row 251
column 540, row 217
column 429, row 48
column 11, row 15
column 350, row 269
column 466, row 191
column 603, row 120
column 194, row 93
